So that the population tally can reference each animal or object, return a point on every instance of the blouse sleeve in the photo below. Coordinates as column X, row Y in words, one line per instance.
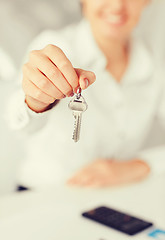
column 19, row 116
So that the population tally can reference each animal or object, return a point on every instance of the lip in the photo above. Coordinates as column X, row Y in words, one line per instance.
column 114, row 20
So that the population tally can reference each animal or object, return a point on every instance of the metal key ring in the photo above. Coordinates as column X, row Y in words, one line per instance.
column 78, row 94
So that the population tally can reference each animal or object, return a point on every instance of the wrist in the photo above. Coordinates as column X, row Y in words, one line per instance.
column 35, row 105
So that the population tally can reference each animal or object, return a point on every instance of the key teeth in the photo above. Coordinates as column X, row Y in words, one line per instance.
column 77, row 126
column 75, row 133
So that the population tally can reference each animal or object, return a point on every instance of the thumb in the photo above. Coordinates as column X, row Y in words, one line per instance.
column 86, row 78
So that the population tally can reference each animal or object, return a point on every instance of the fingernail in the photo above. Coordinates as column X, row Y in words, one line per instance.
column 86, row 82
column 72, row 94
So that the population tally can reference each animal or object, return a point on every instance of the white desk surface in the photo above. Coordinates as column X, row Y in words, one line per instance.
column 55, row 213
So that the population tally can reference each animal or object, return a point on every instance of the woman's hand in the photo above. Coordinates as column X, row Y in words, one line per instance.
column 104, row 173
column 49, row 75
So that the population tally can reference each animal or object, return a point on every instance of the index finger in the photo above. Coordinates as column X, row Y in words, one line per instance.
column 57, row 56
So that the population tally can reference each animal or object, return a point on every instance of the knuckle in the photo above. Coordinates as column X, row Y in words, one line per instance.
column 33, row 53
column 38, row 94
column 83, row 76
column 49, row 47
column 93, row 76
column 43, row 83
column 64, row 64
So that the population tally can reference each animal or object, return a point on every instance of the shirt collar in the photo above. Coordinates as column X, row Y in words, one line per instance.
column 140, row 65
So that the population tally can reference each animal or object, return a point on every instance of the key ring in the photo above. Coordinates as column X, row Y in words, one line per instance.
column 78, row 94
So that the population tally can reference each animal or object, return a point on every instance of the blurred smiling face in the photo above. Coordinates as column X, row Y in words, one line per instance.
column 113, row 18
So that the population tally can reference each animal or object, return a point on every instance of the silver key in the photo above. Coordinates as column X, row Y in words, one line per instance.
column 78, row 106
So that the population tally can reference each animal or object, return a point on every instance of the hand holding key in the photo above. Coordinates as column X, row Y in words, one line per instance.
column 49, row 75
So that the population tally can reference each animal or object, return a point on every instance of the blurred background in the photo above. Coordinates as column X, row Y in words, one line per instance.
column 20, row 22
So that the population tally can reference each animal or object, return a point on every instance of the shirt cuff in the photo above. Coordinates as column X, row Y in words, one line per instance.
column 18, row 113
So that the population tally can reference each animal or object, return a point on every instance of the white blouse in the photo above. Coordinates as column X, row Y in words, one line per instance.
column 120, row 116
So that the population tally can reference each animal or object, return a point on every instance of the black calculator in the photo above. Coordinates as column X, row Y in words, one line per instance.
column 117, row 220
